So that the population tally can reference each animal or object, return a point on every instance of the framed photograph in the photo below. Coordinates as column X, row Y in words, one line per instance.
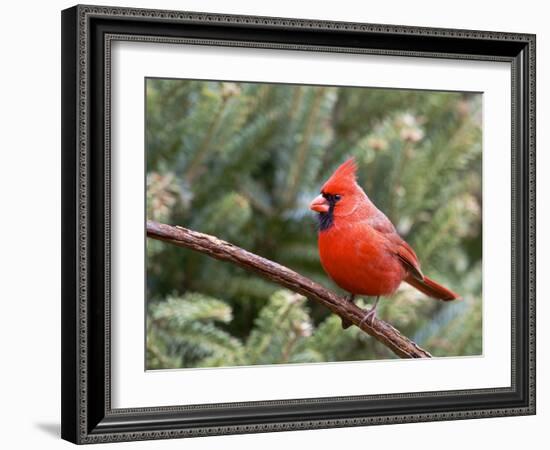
column 281, row 224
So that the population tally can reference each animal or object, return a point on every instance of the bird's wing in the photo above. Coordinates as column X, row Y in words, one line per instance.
column 381, row 223
column 402, row 250
column 408, row 258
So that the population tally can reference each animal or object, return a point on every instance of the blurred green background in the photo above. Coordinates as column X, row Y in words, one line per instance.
column 242, row 161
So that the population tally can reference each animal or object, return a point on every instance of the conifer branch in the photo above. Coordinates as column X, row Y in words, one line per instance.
column 222, row 250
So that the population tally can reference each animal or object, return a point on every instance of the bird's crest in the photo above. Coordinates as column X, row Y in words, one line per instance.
column 342, row 179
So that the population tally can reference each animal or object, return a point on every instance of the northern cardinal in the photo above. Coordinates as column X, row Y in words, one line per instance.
column 359, row 246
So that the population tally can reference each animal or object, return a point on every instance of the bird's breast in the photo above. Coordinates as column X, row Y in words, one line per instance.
column 359, row 260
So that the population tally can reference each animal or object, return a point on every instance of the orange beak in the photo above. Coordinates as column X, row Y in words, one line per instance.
column 319, row 204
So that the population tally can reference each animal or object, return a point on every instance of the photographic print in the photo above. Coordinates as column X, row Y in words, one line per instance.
column 275, row 205
column 376, row 194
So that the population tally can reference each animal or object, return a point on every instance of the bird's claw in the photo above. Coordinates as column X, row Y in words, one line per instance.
column 371, row 314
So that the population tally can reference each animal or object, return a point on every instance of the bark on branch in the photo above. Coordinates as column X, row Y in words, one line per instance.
column 216, row 248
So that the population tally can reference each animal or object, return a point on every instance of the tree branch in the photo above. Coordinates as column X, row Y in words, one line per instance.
column 216, row 248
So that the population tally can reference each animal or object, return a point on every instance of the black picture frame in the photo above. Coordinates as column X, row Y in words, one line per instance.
column 87, row 416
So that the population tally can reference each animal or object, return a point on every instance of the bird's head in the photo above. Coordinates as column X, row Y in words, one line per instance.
column 339, row 196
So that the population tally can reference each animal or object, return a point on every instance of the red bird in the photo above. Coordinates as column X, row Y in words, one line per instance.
column 359, row 246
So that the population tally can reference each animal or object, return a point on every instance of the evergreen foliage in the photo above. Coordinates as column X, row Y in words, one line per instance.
column 242, row 161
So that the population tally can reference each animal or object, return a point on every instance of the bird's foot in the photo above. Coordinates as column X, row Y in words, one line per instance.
column 369, row 316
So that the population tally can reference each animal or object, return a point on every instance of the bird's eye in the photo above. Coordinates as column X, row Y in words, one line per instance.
column 337, row 197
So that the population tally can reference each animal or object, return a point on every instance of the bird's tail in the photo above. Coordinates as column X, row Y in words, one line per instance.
column 432, row 289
